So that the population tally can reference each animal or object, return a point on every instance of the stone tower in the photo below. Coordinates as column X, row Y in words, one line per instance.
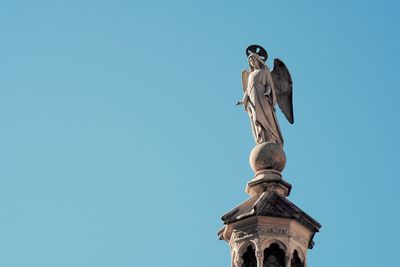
column 268, row 230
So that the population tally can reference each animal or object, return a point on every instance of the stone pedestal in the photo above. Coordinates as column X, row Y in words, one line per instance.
column 268, row 180
column 267, row 229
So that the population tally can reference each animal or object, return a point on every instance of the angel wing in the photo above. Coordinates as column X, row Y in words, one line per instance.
column 245, row 78
column 283, row 88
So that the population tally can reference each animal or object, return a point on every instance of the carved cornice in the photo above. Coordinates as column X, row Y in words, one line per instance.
column 266, row 233
column 273, row 231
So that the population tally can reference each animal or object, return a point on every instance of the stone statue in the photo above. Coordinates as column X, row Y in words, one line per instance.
column 262, row 90
column 267, row 230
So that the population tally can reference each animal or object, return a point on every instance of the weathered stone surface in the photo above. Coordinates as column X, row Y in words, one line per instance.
column 267, row 229
column 267, row 156
column 260, row 234
column 268, row 180
column 271, row 204
column 263, row 89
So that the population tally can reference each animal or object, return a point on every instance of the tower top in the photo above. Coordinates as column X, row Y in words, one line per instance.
column 267, row 229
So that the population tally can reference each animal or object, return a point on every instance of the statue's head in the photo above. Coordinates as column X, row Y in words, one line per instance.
column 259, row 50
column 255, row 61
column 256, row 56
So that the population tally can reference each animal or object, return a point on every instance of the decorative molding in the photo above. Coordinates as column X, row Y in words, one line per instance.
column 262, row 236
column 273, row 231
column 242, row 235
column 259, row 254
column 299, row 238
column 238, row 261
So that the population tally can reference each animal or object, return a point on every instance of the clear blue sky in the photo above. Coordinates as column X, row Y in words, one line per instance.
column 120, row 144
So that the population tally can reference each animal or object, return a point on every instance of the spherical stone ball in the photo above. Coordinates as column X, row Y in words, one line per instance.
column 267, row 156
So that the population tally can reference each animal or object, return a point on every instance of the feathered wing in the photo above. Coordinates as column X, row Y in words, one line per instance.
column 283, row 88
column 245, row 78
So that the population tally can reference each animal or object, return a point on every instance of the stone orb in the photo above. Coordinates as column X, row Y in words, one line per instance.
column 267, row 156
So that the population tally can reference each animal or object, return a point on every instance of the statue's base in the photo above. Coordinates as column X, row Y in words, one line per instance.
column 268, row 180
column 267, row 156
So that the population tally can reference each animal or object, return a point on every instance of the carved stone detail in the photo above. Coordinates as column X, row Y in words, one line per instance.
column 238, row 261
column 299, row 238
column 241, row 235
column 267, row 225
column 272, row 231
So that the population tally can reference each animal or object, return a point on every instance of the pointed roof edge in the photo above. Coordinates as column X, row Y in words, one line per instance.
column 273, row 205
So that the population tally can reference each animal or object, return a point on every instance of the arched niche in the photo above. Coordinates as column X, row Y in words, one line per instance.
column 296, row 260
column 249, row 257
column 269, row 242
column 274, row 256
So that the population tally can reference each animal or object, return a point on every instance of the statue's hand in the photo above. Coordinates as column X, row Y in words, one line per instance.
column 269, row 99
column 243, row 101
column 268, row 92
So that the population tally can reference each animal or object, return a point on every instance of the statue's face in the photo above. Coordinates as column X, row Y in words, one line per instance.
column 254, row 63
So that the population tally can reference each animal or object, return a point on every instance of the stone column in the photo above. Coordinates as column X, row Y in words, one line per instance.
column 288, row 260
column 238, row 261
column 260, row 258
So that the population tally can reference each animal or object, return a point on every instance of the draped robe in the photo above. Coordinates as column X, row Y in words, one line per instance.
column 261, row 99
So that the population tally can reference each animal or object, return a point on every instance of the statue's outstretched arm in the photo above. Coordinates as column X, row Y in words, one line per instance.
column 245, row 78
column 244, row 100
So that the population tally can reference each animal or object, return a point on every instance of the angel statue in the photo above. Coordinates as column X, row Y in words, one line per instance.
column 262, row 90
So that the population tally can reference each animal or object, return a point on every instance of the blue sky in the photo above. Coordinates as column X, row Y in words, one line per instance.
column 120, row 144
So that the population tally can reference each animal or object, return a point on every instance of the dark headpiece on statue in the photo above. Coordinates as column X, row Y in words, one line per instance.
column 259, row 50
